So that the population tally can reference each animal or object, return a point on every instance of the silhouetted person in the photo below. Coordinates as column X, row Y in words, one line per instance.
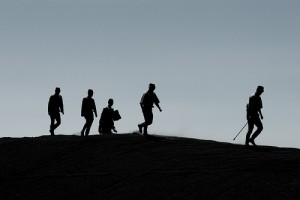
column 55, row 106
column 88, row 109
column 147, row 103
column 106, row 123
column 254, row 115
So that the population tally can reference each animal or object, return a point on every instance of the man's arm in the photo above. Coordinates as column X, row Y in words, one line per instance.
column 83, row 108
column 157, row 105
column 49, row 105
column 260, row 107
column 61, row 106
column 156, row 102
column 142, row 101
column 95, row 110
column 260, row 113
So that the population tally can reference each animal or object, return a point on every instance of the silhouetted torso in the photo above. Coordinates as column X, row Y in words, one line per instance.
column 255, row 104
column 88, row 106
column 149, row 99
column 55, row 104
column 107, row 116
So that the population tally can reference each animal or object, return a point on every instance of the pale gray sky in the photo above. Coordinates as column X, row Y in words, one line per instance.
column 206, row 58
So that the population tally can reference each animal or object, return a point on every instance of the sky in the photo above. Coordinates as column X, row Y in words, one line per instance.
column 206, row 58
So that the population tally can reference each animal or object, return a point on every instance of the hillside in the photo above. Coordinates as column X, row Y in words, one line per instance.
column 129, row 166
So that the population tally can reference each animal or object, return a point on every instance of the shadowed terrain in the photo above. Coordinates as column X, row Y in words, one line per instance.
column 129, row 166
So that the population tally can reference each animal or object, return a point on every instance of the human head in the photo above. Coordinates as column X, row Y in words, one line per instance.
column 259, row 90
column 57, row 90
column 110, row 102
column 151, row 87
column 90, row 93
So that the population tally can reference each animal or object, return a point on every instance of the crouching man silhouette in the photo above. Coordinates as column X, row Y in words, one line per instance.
column 108, row 116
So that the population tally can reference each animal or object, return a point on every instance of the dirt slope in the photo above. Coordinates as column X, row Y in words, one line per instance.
column 128, row 166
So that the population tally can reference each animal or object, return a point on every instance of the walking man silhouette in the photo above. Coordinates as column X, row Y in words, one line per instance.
column 254, row 116
column 88, row 109
column 147, row 103
column 55, row 106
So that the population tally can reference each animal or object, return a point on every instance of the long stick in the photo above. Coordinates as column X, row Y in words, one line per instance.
column 240, row 131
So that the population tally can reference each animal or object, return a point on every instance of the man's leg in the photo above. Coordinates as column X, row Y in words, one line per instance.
column 145, row 130
column 58, row 121
column 84, row 126
column 148, row 121
column 260, row 127
column 106, row 130
column 83, row 129
column 250, row 129
column 89, row 125
column 141, row 127
column 52, row 118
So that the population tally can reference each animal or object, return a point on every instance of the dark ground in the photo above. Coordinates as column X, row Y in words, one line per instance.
column 129, row 166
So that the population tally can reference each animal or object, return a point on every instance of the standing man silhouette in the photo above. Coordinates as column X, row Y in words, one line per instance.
column 254, row 116
column 55, row 106
column 147, row 103
column 88, row 109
